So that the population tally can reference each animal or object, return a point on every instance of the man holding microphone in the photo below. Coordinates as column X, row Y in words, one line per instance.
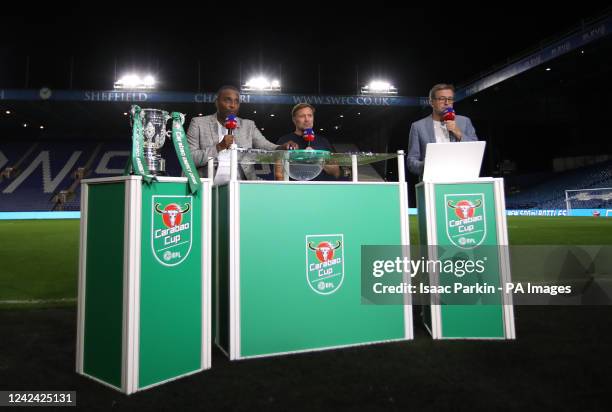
column 442, row 126
column 302, row 116
column 209, row 135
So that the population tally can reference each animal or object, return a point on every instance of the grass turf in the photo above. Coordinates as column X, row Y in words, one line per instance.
column 39, row 258
column 560, row 361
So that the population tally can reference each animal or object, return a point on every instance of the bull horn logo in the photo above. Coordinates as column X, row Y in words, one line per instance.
column 172, row 214
column 464, row 208
column 324, row 250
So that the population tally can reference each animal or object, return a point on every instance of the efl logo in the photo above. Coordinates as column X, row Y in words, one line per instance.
column 171, row 234
column 466, row 226
column 325, row 263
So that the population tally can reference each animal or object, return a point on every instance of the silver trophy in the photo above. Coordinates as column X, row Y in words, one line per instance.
column 154, row 136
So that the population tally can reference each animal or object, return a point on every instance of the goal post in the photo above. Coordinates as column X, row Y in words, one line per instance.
column 598, row 198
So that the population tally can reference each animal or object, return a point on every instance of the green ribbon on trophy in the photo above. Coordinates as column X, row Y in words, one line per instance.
column 138, row 163
column 182, row 152
column 147, row 141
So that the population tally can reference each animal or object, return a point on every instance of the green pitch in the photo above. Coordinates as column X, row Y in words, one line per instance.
column 39, row 258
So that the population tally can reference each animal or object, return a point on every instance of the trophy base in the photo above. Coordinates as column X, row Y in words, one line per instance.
column 157, row 167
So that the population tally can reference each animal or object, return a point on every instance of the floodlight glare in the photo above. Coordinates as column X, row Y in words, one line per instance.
column 261, row 84
column 134, row 81
column 379, row 87
column 149, row 81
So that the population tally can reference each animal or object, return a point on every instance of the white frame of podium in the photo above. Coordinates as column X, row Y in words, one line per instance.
column 504, row 258
column 131, row 280
column 234, row 252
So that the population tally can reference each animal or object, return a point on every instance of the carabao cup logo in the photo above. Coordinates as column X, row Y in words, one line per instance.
column 466, row 225
column 171, row 234
column 325, row 263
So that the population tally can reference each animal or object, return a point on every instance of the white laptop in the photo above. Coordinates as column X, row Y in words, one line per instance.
column 453, row 162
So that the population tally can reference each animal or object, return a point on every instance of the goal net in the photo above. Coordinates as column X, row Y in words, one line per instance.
column 600, row 198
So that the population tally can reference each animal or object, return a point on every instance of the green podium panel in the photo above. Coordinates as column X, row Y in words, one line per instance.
column 144, row 281
column 467, row 221
column 287, row 265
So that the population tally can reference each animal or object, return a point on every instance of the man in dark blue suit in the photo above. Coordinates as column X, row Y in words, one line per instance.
column 434, row 129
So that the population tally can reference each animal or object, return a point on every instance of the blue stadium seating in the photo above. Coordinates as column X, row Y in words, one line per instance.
column 36, row 190
column 39, row 190
column 550, row 193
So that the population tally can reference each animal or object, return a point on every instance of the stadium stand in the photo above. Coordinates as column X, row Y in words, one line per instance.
column 45, row 176
column 549, row 192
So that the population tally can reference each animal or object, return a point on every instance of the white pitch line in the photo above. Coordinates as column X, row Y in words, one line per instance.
column 32, row 301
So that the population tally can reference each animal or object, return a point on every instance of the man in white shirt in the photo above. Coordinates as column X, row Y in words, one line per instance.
column 434, row 129
column 207, row 135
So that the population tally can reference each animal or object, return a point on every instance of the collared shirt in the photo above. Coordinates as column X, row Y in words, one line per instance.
column 441, row 132
column 221, row 131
